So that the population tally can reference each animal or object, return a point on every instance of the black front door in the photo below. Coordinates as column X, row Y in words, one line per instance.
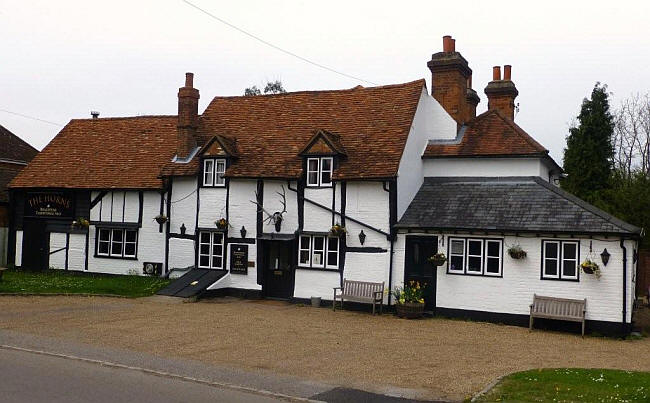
column 278, row 263
column 418, row 268
column 36, row 245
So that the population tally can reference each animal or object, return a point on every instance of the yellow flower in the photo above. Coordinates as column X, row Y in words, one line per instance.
column 421, row 300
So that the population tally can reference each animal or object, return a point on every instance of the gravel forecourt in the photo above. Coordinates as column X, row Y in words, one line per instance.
column 443, row 358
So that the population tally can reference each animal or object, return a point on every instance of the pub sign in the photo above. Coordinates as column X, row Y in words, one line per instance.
column 239, row 259
column 49, row 205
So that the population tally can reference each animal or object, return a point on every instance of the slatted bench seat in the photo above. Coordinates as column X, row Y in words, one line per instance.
column 360, row 291
column 558, row 308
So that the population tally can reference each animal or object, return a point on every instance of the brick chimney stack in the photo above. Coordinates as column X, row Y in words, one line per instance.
column 452, row 82
column 502, row 93
column 188, row 117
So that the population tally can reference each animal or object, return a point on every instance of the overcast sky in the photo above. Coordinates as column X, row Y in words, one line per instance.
column 62, row 59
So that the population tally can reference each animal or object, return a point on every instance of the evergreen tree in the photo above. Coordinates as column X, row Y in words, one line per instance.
column 272, row 87
column 589, row 154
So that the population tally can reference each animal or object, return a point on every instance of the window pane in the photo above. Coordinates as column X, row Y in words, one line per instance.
column 550, row 249
column 217, row 237
column 550, row 267
column 457, row 247
column 493, row 248
column 319, row 242
column 220, row 169
column 304, row 242
column 317, row 259
column 326, row 178
column 117, row 235
column 216, row 249
column 326, row 164
column 332, row 244
column 204, row 249
column 312, row 178
column 205, row 237
column 129, row 249
column 569, row 250
column 456, row 263
column 204, row 261
column 492, row 265
column 216, row 262
column 332, row 258
column 130, row 236
column 569, row 268
column 116, row 248
column 208, row 168
column 304, row 257
column 474, row 247
column 102, row 247
column 104, row 235
column 474, row 264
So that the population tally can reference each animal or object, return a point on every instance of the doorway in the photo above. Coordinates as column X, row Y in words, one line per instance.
column 36, row 245
column 418, row 268
column 280, row 270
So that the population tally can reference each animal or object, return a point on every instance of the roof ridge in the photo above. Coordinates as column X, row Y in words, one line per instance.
column 19, row 138
column 123, row 118
column 353, row 89
column 588, row 206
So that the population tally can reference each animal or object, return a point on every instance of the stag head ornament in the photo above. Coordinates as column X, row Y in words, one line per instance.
column 275, row 218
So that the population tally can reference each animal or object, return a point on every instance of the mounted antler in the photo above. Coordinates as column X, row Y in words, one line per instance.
column 275, row 218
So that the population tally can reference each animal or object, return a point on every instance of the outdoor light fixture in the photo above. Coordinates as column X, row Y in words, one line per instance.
column 362, row 237
column 183, row 229
column 605, row 256
column 242, row 231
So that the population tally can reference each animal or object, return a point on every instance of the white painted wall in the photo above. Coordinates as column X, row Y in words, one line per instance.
column 244, row 281
column 77, row 252
column 116, row 206
column 212, row 206
column 273, row 203
column 57, row 241
column 181, row 253
column 183, row 207
column 241, row 212
column 431, row 121
column 316, row 283
column 513, row 293
column 151, row 242
column 485, row 167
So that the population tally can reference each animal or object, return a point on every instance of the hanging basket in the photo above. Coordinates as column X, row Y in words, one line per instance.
column 438, row 259
column 409, row 310
column 337, row 230
column 221, row 223
column 590, row 267
column 161, row 219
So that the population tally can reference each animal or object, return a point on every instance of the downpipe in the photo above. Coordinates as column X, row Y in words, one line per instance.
column 624, row 323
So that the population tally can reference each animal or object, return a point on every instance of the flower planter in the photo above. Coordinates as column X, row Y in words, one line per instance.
column 517, row 254
column 221, row 223
column 437, row 262
column 409, row 310
column 161, row 219
column 588, row 269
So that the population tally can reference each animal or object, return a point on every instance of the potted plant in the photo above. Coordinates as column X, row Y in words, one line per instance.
column 590, row 267
column 161, row 219
column 438, row 259
column 221, row 223
column 337, row 230
column 409, row 300
column 517, row 252
column 80, row 223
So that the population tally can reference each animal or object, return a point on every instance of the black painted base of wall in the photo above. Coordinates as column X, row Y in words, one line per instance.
column 233, row 292
column 593, row 327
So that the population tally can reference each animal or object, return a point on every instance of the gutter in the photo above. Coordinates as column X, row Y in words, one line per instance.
column 623, row 324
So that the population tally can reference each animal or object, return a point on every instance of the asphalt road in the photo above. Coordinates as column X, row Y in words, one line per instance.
column 29, row 377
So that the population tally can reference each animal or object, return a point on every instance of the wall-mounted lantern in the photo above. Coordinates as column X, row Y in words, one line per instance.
column 242, row 231
column 605, row 256
column 362, row 237
column 183, row 229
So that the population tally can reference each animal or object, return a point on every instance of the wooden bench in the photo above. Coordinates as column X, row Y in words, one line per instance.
column 558, row 308
column 360, row 291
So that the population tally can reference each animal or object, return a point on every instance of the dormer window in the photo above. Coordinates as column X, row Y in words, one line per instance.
column 319, row 171
column 213, row 171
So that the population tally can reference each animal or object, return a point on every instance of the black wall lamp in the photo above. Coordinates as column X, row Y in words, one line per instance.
column 183, row 229
column 605, row 256
column 242, row 231
column 362, row 237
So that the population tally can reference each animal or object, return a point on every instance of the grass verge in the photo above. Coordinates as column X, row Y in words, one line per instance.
column 571, row 385
column 62, row 282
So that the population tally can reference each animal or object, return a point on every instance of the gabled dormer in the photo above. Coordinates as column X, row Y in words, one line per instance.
column 321, row 156
column 215, row 157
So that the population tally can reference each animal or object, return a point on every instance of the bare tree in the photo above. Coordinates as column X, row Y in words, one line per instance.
column 632, row 136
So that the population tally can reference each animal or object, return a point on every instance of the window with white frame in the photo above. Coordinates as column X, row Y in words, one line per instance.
column 211, row 250
column 318, row 251
column 319, row 171
column 117, row 242
column 213, row 171
column 560, row 260
column 475, row 256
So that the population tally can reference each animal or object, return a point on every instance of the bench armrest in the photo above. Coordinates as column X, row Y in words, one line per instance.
column 338, row 288
column 378, row 292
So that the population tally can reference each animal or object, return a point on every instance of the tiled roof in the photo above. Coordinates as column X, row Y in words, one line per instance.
column 271, row 130
column 489, row 134
column 7, row 173
column 14, row 148
column 516, row 204
column 105, row 153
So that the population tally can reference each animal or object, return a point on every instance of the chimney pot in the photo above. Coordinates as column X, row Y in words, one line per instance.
column 189, row 80
column 507, row 72
column 94, row 114
column 496, row 73
column 446, row 43
column 452, row 44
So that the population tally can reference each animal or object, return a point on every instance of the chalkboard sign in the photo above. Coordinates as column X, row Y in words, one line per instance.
column 49, row 205
column 239, row 259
